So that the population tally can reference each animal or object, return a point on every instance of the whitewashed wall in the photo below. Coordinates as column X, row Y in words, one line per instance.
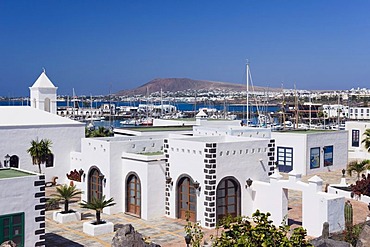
column 317, row 207
column 21, row 199
column 65, row 138
column 302, row 144
column 357, row 153
column 150, row 171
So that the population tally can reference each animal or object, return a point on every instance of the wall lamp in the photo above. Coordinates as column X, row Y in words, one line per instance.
column 7, row 159
column 196, row 185
column 248, row 183
column 169, row 180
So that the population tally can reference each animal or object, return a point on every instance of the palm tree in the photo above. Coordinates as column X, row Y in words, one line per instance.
column 39, row 151
column 366, row 140
column 66, row 193
column 98, row 204
column 358, row 167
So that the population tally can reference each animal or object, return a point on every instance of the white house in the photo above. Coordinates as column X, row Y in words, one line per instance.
column 22, row 124
column 356, row 149
column 22, row 211
column 307, row 152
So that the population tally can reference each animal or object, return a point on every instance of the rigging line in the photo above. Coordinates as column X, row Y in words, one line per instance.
column 254, row 95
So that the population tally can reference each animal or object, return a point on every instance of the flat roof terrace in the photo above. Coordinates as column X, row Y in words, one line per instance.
column 13, row 173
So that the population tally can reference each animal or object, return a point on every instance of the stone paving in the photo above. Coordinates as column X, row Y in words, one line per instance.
column 166, row 231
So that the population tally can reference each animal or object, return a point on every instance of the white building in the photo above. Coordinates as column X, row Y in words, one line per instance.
column 22, row 208
column 356, row 149
column 22, row 124
column 308, row 152
column 43, row 94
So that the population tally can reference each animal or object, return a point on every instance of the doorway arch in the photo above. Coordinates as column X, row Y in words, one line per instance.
column 228, row 201
column 133, row 194
column 186, row 199
column 95, row 184
column 14, row 161
column 47, row 105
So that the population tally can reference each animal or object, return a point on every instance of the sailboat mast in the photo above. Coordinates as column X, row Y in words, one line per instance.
column 296, row 107
column 310, row 117
column 247, row 71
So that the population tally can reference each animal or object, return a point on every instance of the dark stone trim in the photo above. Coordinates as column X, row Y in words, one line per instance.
column 42, row 225
column 42, row 177
column 39, row 183
column 42, row 200
column 42, row 188
column 41, row 231
column 40, row 207
column 41, row 243
column 40, row 218
column 39, row 194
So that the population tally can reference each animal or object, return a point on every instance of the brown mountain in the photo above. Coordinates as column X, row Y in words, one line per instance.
column 184, row 84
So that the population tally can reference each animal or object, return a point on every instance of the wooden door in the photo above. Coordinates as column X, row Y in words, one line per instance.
column 228, row 199
column 95, row 185
column 133, row 195
column 187, row 203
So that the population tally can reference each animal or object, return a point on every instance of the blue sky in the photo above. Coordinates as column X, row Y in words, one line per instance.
column 98, row 46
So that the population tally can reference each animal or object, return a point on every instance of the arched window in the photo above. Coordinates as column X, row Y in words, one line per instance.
column 228, row 198
column 186, row 199
column 133, row 195
column 49, row 161
column 47, row 105
column 95, row 188
column 14, row 161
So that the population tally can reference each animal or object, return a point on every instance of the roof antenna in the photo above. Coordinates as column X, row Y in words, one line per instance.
column 43, row 70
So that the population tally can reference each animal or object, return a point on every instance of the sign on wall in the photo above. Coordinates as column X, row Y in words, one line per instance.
column 315, row 158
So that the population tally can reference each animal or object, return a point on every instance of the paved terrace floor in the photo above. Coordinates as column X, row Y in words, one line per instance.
column 166, row 231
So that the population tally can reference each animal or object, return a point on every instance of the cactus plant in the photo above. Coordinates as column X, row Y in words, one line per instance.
column 348, row 214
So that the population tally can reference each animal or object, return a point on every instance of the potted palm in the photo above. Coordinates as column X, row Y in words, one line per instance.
column 65, row 193
column 98, row 226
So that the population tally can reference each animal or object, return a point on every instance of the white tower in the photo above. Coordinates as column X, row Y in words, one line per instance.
column 43, row 94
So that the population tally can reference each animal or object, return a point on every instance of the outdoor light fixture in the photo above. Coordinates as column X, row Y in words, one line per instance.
column 187, row 240
column 104, row 181
column 343, row 173
column 7, row 158
column 196, row 185
column 169, row 180
column 249, row 182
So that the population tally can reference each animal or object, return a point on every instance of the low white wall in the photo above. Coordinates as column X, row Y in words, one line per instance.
column 18, row 196
column 317, row 207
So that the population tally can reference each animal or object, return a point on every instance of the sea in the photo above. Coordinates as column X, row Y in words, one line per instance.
column 181, row 106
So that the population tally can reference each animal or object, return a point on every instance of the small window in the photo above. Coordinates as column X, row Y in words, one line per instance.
column 177, row 149
column 49, row 161
column 172, row 149
column 252, row 151
column 259, row 150
column 246, row 151
column 133, row 145
column 153, row 144
column 221, row 153
column 227, row 152
column 194, row 152
column 144, row 148
column 355, row 138
column 234, row 152
column 200, row 152
column 183, row 150
column 241, row 151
